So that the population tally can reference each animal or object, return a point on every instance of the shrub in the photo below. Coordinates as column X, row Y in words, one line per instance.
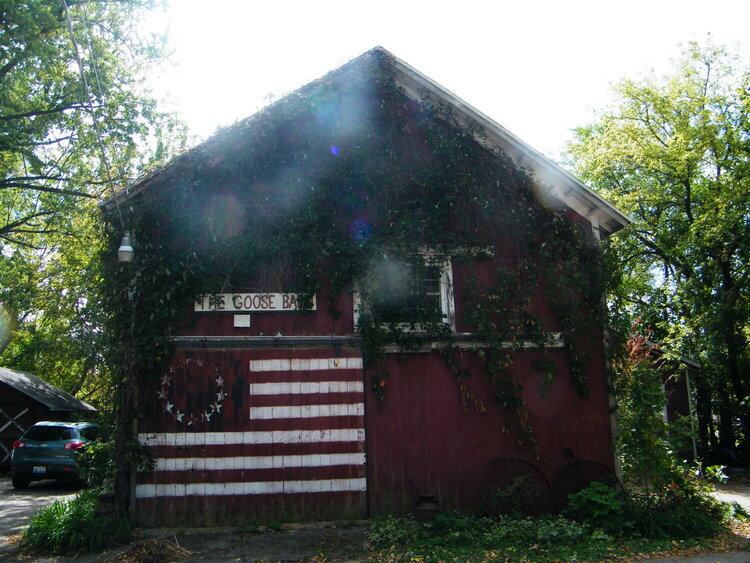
column 601, row 506
column 97, row 462
column 678, row 516
column 71, row 527
column 97, row 465
column 388, row 531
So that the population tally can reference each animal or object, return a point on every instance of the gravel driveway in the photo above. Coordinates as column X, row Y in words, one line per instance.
column 16, row 507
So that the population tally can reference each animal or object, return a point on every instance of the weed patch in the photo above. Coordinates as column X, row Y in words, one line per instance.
column 71, row 527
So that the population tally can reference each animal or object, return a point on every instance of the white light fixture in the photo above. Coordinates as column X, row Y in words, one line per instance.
column 125, row 253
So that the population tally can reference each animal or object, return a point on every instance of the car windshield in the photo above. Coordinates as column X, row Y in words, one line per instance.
column 49, row 433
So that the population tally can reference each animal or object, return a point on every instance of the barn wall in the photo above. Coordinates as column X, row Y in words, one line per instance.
column 678, row 396
column 435, row 435
column 246, row 435
column 219, row 463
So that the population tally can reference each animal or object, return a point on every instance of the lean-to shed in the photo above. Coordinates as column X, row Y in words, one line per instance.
column 26, row 399
column 367, row 293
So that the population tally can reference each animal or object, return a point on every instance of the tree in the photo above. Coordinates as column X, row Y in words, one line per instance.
column 674, row 153
column 74, row 116
column 76, row 124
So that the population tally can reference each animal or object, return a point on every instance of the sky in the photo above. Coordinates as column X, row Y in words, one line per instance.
column 538, row 67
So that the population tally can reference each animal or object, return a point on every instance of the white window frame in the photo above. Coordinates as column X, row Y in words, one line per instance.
column 447, row 300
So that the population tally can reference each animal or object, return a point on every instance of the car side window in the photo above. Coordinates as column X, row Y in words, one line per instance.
column 90, row 433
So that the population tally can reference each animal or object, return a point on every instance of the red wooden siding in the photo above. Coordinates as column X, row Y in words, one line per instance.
column 255, row 434
column 246, row 433
column 434, row 434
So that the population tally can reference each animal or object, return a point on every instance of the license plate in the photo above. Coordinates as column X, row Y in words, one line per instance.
column 39, row 469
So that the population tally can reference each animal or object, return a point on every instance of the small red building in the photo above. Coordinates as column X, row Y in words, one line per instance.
column 365, row 293
column 25, row 400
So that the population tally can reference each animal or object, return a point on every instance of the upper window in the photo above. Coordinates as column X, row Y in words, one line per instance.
column 408, row 294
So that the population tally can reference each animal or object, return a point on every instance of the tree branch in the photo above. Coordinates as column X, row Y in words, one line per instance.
column 39, row 112
column 41, row 188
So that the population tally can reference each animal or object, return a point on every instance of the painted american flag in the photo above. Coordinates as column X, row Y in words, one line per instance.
column 288, row 423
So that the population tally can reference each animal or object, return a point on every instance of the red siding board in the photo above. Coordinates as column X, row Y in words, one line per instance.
column 429, row 437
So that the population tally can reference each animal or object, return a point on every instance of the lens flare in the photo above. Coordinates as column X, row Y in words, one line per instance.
column 391, row 280
column 360, row 229
column 334, row 150
column 225, row 215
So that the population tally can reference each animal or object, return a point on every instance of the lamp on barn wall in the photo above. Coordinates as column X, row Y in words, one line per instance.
column 125, row 253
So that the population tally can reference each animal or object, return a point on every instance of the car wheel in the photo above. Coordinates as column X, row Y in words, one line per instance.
column 19, row 483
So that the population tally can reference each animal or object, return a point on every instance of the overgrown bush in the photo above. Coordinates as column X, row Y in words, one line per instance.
column 71, row 527
column 388, row 531
column 97, row 462
column 663, row 516
column 678, row 510
column 601, row 506
column 97, row 465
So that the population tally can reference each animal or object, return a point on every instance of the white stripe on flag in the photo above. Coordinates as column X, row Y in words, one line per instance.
column 257, row 462
column 305, row 364
column 251, row 488
column 269, row 437
column 306, row 411
column 305, row 387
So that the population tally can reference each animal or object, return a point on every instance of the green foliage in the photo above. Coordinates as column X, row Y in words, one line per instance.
column 518, row 497
column 389, row 531
column 672, row 152
column 98, row 463
column 678, row 514
column 546, row 530
column 71, row 527
column 458, row 537
column 600, row 506
column 680, row 509
column 66, row 142
column 714, row 474
column 643, row 439
column 72, row 87
column 50, row 292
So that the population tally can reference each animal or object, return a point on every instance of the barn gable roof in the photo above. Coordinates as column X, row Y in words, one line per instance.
column 555, row 182
column 50, row 396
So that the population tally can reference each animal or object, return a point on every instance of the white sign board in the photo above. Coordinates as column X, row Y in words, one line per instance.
column 258, row 302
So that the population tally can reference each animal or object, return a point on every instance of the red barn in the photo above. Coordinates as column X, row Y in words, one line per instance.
column 366, row 293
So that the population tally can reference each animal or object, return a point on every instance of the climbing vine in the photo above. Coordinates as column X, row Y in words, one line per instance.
column 324, row 186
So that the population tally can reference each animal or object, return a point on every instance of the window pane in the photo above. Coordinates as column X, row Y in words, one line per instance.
column 49, row 433
column 407, row 293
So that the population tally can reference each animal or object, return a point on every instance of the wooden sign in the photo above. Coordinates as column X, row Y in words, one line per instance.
column 257, row 302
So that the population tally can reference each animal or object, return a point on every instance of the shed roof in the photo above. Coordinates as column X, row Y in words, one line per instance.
column 50, row 396
column 556, row 182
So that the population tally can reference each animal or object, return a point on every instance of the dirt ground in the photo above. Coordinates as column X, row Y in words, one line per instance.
column 298, row 542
